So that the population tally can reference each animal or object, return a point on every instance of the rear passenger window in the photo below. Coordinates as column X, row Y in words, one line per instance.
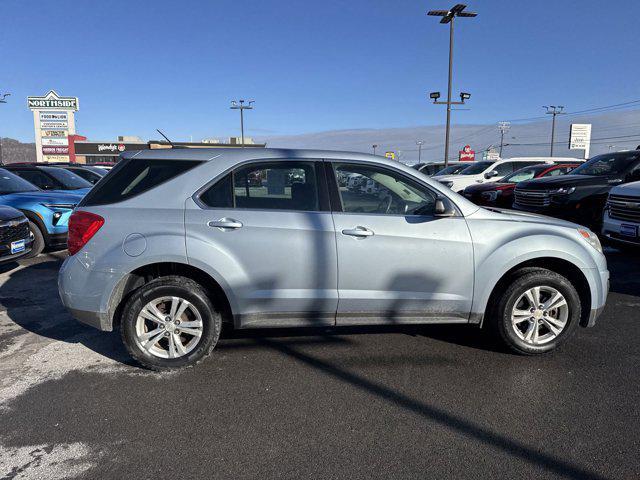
column 135, row 176
column 272, row 186
column 504, row 169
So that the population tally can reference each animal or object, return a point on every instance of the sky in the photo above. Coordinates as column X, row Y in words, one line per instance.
column 309, row 66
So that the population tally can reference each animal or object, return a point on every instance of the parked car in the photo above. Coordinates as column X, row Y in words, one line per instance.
column 432, row 168
column 50, row 178
column 15, row 239
column 89, row 173
column 491, row 171
column 454, row 169
column 581, row 195
column 167, row 250
column 500, row 193
column 47, row 212
column 621, row 221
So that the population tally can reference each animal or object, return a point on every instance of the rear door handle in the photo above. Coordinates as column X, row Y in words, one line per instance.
column 226, row 223
column 360, row 232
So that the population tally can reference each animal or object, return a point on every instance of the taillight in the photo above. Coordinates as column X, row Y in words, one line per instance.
column 82, row 226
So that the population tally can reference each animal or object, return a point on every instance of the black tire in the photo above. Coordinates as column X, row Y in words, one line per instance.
column 170, row 286
column 38, row 241
column 500, row 317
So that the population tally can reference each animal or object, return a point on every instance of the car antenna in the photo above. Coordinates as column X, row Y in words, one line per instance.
column 165, row 137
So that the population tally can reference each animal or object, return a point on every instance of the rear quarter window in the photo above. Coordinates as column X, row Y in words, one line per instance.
column 132, row 177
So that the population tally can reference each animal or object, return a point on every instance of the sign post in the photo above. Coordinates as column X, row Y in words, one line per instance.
column 53, row 121
column 580, row 137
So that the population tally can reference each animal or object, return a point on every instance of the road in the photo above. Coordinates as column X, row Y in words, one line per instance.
column 358, row 403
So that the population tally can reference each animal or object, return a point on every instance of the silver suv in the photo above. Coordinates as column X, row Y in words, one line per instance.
column 172, row 245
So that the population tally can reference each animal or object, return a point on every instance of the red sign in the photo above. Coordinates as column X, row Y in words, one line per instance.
column 466, row 154
column 55, row 150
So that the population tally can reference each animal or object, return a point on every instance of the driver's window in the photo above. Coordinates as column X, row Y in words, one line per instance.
column 369, row 189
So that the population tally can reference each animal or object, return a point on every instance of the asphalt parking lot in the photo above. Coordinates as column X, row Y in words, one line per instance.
column 415, row 402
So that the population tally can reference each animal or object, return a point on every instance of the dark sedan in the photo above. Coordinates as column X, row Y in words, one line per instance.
column 15, row 240
column 500, row 193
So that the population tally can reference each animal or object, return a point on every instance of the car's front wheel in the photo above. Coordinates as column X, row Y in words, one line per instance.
column 537, row 312
column 38, row 244
column 170, row 323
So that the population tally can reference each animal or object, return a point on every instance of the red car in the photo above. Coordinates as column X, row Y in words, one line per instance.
column 500, row 193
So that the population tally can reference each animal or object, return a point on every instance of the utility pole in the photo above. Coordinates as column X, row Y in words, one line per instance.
column 420, row 143
column 3, row 96
column 553, row 110
column 448, row 16
column 239, row 105
column 374, row 146
column 503, row 127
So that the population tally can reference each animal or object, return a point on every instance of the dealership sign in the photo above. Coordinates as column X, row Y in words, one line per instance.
column 466, row 154
column 53, row 100
column 580, row 137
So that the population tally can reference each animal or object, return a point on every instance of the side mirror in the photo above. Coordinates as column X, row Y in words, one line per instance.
column 490, row 174
column 443, row 208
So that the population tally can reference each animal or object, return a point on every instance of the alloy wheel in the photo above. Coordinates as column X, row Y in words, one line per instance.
column 539, row 315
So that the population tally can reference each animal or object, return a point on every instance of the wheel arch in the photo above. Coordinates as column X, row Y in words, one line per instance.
column 143, row 274
column 556, row 264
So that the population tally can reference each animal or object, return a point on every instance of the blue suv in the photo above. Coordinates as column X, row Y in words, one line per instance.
column 47, row 212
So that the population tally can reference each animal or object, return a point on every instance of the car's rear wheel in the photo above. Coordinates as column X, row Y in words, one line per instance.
column 170, row 323
column 538, row 311
column 38, row 244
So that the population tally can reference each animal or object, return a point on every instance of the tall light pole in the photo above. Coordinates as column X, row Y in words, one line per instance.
column 420, row 143
column 374, row 146
column 503, row 127
column 553, row 110
column 448, row 16
column 239, row 105
column 3, row 96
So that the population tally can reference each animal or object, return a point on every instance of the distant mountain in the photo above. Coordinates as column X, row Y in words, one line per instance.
column 620, row 130
column 14, row 151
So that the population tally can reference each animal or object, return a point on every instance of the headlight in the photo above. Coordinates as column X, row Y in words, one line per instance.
column 563, row 191
column 591, row 238
column 52, row 206
column 491, row 196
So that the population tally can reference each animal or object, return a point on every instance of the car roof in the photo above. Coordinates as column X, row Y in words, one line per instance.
column 251, row 153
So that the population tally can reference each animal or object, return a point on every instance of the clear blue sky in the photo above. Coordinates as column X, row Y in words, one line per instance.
column 310, row 66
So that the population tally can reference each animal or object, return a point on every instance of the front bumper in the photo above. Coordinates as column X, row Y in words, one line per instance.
column 612, row 231
column 5, row 251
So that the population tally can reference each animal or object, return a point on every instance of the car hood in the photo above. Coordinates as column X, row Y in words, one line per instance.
column 9, row 213
column 444, row 178
column 490, row 186
column 19, row 200
column 518, row 216
column 632, row 189
column 565, row 181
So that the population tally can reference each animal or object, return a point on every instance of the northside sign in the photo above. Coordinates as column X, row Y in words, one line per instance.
column 53, row 100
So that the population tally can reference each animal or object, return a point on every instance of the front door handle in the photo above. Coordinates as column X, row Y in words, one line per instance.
column 360, row 232
column 226, row 223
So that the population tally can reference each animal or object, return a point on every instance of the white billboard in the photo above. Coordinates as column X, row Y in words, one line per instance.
column 580, row 137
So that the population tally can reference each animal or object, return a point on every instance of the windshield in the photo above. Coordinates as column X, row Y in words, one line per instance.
column 71, row 181
column 475, row 168
column 452, row 169
column 524, row 174
column 11, row 183
column 607, row 164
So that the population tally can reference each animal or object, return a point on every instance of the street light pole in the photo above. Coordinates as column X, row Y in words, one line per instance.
column 448, row 16
column 374, row 146
column 3, row 96
column 239, row 105
column 503, row 127
column 553, row 110
column 420, row 143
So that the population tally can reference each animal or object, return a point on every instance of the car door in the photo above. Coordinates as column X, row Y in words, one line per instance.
column 397, row 261
column 266, row 229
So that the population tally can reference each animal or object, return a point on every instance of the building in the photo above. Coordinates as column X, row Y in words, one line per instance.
column 82, row 150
